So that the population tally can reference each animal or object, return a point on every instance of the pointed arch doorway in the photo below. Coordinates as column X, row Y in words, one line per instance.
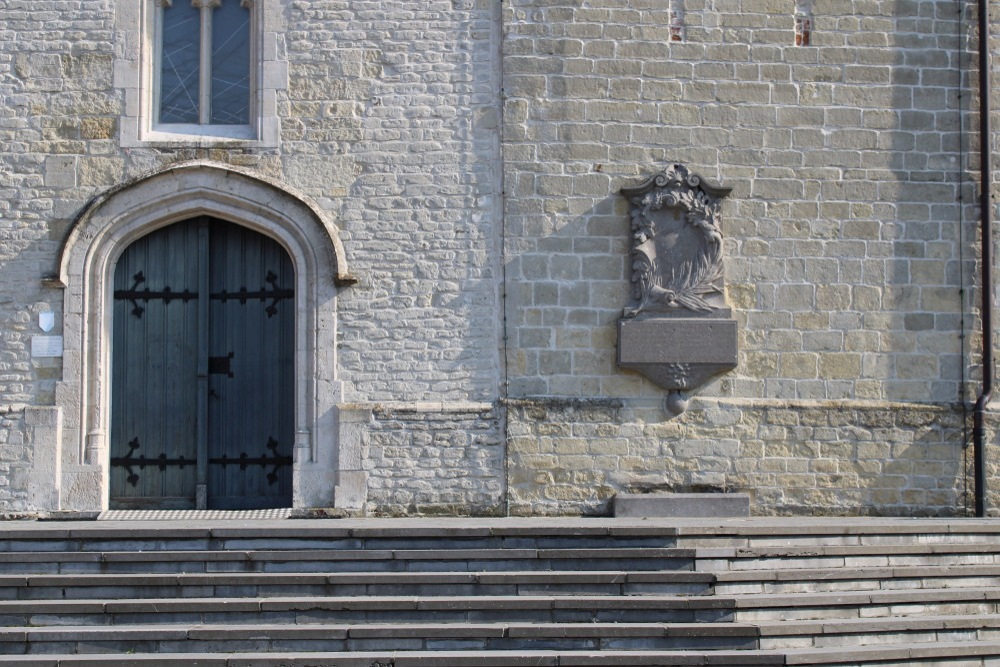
column 202, row 410
column 325, row 469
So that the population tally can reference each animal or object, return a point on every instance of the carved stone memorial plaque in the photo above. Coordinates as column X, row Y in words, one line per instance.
column 676, row 329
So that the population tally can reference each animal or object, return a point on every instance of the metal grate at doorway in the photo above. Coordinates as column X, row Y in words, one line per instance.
column 193, row 515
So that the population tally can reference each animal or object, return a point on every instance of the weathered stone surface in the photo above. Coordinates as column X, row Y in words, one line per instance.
column 848, row 241
column 682, row 504
column 677, row 353
column 434, row 460
column 785, row 454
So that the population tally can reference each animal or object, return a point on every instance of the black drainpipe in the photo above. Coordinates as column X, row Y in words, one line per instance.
column 986, row 225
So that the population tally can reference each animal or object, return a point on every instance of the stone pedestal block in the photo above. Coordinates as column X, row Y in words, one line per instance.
column 681, row 505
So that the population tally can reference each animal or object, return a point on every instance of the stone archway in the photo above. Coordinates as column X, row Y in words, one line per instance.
column 86, row 259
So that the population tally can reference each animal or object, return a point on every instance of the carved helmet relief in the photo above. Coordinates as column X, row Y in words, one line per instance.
column 676, row 244
column 676, row 329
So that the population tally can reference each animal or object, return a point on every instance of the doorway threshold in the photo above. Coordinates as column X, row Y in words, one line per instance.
column 193, row 515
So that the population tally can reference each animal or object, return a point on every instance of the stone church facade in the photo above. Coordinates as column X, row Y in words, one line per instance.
column 445, row 181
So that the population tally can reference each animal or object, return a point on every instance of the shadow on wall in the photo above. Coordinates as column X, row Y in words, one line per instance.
column 846, row 255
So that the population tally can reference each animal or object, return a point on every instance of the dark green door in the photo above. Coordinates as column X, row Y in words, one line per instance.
column 202, row 395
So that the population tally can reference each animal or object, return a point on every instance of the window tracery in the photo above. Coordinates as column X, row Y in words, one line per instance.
column 204, row 62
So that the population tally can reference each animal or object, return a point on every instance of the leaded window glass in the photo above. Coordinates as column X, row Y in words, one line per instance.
column 231, row 65
column 179, row 64
column 204, row 69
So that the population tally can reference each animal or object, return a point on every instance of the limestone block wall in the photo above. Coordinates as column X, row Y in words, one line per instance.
column 388, row 120
column 391, row 123
column 56, row 150
column 471, row 153
column 15, row 459
column 812, row 458
column 435, row 459
column 850, row 252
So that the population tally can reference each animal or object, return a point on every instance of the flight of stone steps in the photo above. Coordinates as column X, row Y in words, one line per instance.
column 499, row 592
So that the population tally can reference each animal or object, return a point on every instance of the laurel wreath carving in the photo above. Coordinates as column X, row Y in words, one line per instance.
column 686, row 286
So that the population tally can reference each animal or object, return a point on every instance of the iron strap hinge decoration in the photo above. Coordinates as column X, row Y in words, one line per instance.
column 161, row 462
column 244, row 461
column 275, row 294
column 135, row 295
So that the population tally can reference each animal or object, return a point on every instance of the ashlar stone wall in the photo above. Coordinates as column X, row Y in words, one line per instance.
column 58, row 109
column 471, row 153
column 433, row 458
column 15, row 459
column 850, row 243
column 391, row 124
column 388, row 114
column 818, row 458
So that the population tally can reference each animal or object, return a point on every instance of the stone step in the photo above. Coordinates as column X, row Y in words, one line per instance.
column 608, row 582
column 419, row 636
column 346, row 560
column 408, row 659
column 272, row 584
column 846, row 556
column 462, row 559
column 866, row 604
column 534, row 608
column 497, row 591
column 828, row 531
column 371, row 534
column 761, row 532
column 938, row 654
column 867, row 631
column 370, row 609
column 496, row 636
column 832, row 579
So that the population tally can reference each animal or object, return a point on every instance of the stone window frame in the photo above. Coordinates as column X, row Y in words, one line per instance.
column 135, row 74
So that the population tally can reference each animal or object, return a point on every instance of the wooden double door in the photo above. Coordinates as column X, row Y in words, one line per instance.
column 202, row 370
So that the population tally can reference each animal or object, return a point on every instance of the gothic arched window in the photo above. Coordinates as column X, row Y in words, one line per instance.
column 204, row 62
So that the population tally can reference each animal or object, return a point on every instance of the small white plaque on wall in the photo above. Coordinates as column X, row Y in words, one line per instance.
column 46, row 346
